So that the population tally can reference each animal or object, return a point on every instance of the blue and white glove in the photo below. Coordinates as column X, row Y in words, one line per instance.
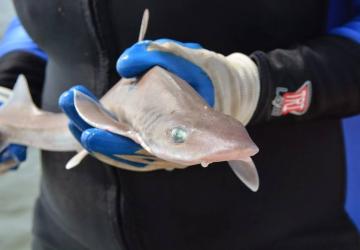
column 230, row 84
column 15, row 39
column 96, row 140
column 212, row 75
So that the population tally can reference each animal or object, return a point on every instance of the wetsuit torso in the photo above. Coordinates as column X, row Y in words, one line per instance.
column 300, row 204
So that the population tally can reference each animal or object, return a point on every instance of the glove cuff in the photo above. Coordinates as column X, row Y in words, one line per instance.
column 237, row 92
column 235, row 78
column 248, row 81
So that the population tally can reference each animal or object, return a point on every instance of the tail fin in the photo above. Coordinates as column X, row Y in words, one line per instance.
column 20, row 99
column 15, row 106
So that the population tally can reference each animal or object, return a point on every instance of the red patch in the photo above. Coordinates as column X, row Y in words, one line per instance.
column 296, row 103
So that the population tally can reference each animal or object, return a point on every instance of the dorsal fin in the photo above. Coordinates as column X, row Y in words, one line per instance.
column 20, row 98
column 144, row 25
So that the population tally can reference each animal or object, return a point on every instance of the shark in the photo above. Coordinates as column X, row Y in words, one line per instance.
column 159, row 111
column 164, row 114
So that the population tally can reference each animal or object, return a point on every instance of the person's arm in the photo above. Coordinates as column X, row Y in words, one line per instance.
column 18, row 55
column 320, row 78
column 317, row 79
column 331, row 63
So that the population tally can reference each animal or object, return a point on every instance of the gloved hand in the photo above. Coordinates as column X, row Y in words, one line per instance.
column 219, row 80
column 15, row 39
column 230, row 84
column 100, row 141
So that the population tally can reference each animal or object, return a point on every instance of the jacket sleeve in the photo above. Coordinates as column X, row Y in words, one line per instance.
column 318, row 79
column 20, row 55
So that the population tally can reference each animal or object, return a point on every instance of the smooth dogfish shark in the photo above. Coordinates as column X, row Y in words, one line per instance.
column 159, row 111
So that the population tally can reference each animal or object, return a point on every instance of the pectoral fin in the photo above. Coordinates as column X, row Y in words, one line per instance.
column 97, row 116
column 246, row 171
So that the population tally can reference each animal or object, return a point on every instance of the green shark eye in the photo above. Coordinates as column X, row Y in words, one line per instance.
column 179, row 134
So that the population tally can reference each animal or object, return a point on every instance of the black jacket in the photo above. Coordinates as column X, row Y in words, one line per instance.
column 300, row 204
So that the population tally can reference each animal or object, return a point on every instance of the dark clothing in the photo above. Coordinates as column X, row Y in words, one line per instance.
column 13, row 63
column 300, row 204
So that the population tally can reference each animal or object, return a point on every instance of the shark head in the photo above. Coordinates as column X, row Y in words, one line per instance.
column 200, row 138
column 176, row 125
column 203, row 138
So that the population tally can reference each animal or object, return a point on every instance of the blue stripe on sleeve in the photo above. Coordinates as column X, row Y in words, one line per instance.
column 350, row 30
column 344, row 20
column 351, row 129
column 17, row 39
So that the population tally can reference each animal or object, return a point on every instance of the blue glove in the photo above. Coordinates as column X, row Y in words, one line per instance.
column 137, row 59
column 16, row 39
column 13, row 154
column 96, row 140
column 201, row 68
column 230, row 84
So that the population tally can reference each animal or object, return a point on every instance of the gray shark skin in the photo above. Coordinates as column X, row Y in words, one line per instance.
column 159, row 111
column 21, row 122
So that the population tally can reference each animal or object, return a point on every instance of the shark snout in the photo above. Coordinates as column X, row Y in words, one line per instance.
column 232, row 154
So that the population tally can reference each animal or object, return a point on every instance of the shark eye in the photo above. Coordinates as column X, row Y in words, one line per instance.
column 178, row 134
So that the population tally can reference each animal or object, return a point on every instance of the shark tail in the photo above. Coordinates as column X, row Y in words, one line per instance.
column 14, row 103
column 20, row 100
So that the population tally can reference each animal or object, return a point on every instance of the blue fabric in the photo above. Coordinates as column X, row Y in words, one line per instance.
column 351, row 128
column 13, row 152
column 137, row 59
column 16, row 38
column 93, row 139
column 344, row 20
